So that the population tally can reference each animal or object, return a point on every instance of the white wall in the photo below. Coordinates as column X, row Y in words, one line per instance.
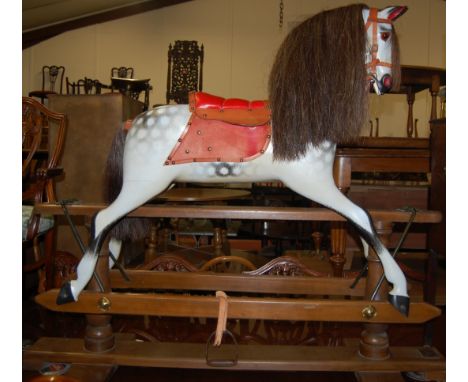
column 240, row 39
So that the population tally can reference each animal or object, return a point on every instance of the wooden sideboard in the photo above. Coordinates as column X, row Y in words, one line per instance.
column 93, row 121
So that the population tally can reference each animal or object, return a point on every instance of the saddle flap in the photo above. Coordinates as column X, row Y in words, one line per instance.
column 234, row 110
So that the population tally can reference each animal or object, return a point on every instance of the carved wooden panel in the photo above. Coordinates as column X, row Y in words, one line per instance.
column 286, row 266
column 184, row 70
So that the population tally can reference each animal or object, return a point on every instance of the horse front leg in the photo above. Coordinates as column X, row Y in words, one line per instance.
column 320, row 187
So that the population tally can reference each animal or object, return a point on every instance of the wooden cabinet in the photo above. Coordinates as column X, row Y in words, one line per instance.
column 93, row 120
column 436, row 239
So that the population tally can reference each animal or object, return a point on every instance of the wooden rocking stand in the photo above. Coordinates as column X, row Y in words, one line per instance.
column 369, row 356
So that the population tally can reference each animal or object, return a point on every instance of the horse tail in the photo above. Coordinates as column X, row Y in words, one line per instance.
column 127, row 228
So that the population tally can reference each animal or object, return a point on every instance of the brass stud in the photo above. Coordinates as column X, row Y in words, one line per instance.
column 104, row 304
column 369, row 312
column 210, row 148
column 187, row 151
column 198, row 132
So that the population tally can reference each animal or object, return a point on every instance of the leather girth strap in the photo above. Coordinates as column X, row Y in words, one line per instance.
column 222, row 130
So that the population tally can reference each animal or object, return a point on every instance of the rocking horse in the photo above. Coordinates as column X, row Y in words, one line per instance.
column 318, row 90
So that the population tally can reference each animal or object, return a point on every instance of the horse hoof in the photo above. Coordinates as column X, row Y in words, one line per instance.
column 65, row 295
column 401, row 303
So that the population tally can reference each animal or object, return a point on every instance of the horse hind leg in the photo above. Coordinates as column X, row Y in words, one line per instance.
column 328, row 195
column 133, row 195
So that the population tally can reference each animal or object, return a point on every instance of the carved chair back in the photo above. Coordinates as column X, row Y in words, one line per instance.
column 184, row 70
column 39, row 167
column 52, row 82
column 84, row 86
column 52, row 78
column 122, row 72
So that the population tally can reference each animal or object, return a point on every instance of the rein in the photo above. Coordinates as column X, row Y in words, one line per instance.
column 373, row 21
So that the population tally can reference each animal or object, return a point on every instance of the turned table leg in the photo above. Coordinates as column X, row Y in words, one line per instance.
column 151, row 250
column 99, row 336
column 374, row 338
column 342, row 176
column 409, row 124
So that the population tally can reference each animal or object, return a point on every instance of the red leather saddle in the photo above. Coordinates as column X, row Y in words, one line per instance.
column 223, row 130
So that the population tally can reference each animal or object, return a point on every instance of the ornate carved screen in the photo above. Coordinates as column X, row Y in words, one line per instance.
column 184, row 70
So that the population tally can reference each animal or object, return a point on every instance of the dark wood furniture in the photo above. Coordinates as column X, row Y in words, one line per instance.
column 93, row 121
column 39, row 171
column 184, row 70
column 371, row 353
column 438, row 184
column 133, row 88
column 158, row 242
column 52, row 82
column 84, row 86
column 384, row 155
column 415, row 79
column 122, row 72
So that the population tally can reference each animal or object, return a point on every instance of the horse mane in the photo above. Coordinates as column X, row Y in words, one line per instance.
column 318, row 87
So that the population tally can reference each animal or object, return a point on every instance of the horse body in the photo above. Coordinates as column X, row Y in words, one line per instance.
column 146, row 172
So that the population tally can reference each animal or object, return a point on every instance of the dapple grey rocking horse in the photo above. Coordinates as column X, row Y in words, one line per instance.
column 318, row 97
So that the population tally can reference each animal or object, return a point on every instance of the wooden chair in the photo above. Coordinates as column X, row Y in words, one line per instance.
column 39, row 168
column 122, row 72
column 122, row 81
column 84, row 86
column 184, row 70
column 52, row 82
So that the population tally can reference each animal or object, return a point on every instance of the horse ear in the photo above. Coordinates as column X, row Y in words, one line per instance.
column 392, row 13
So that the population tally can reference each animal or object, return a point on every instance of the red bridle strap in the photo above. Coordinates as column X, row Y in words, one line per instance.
column 373, row 21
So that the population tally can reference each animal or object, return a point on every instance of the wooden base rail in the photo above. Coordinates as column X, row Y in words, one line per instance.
column 141, row 295
column 240, row 212
column 230, row 282
column 251, row 357
column 267, row 308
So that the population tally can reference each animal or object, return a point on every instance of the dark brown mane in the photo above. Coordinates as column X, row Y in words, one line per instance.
column 318, row 87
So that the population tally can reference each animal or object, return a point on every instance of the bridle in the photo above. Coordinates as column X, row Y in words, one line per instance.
column 372, row 22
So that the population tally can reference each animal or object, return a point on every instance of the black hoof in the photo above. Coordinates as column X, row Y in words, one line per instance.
column 65, row 295
column 401, row 303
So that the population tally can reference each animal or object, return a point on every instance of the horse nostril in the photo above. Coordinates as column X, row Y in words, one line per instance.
column 387, row 82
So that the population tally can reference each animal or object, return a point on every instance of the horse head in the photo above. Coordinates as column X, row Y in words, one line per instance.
column 381, row 46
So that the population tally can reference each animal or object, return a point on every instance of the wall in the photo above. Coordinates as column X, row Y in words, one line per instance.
column 240, row 39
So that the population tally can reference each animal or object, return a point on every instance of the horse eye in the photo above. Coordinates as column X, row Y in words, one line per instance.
column 385, row 35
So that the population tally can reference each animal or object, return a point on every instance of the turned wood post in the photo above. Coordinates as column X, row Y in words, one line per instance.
column 98, row 335
column 342, row 175
column 409, row 124
column 374, row 338
column 435, row 87
column 151, row 250
column 218, row 241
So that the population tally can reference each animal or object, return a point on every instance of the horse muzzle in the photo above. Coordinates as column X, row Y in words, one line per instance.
column 382, row 86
